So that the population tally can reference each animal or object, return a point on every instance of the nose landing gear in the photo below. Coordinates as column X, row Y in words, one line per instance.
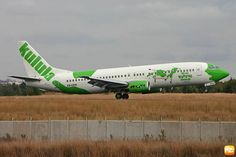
column 124, row 96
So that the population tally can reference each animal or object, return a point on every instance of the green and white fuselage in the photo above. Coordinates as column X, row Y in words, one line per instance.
column 123, row 80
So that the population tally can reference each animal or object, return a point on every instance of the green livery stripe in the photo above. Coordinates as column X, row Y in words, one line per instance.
column 72, row 90
column 160, row 73
column 78, row 74
column 216, row 73
column 164, row 73
column 138, row 86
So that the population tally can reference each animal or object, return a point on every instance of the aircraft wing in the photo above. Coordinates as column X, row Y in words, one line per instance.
column 25, row 78
column 107, row 84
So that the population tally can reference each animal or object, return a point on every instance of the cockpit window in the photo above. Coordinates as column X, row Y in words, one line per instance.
column 212, row 67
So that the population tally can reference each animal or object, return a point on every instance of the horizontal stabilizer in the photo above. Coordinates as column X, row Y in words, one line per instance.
column 26, row 78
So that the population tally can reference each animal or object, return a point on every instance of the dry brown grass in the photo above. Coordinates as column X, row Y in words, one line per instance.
column 110, row 149
column 150, row 107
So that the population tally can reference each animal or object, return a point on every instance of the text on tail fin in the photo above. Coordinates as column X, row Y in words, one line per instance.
column 36, row 62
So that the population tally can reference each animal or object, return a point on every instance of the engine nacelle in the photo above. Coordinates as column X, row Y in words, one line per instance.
column 142, row 86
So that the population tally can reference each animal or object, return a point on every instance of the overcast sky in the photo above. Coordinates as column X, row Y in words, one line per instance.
column 92, row 34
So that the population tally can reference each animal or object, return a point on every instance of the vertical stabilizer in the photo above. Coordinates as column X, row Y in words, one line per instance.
column 35, row 65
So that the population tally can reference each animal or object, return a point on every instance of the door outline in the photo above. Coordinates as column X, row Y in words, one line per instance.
column 199, row 70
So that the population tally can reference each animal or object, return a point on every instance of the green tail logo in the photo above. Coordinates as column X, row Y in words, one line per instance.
column 36, row 62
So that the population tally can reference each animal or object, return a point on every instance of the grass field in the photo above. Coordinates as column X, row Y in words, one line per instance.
column 110, row 149
column 149, row 107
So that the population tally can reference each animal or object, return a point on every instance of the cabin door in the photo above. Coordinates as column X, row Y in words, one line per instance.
column 199, row 70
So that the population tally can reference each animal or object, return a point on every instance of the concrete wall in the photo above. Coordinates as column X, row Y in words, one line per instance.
column 115, row 129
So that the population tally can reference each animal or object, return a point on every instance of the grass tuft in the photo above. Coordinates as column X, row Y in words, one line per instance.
column 110, row 149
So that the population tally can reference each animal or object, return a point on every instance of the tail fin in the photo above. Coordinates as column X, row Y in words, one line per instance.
column 35, row 65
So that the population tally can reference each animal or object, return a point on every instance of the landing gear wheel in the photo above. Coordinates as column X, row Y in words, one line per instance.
column 118, row 96
column 125, row 96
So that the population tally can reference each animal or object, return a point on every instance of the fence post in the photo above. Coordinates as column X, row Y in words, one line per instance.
column 87, row 128
column 30, row 128
column 181, row 129
column 219, row 130
column 68, row 128
column 200, row 126
column 106, row 128
column 12, row 119
column 124, row 129
column 161, row 123
column 143, row 127
column 50, row 129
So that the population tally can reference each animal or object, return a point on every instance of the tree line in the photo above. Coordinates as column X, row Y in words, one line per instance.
column 18, row 90
column 219, row 87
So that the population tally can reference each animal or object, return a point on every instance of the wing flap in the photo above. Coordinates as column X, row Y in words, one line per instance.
column 107, row 84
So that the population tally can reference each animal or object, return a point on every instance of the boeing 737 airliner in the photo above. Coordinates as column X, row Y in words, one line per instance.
column 122, row 81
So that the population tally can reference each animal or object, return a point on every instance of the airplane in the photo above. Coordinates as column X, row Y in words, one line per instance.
column 122, row 81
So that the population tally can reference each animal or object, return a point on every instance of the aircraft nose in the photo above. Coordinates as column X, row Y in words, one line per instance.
column 224, row 73
column 216, row 72
column 221, row 74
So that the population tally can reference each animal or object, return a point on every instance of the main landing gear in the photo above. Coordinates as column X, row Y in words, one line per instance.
column 122, row 96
